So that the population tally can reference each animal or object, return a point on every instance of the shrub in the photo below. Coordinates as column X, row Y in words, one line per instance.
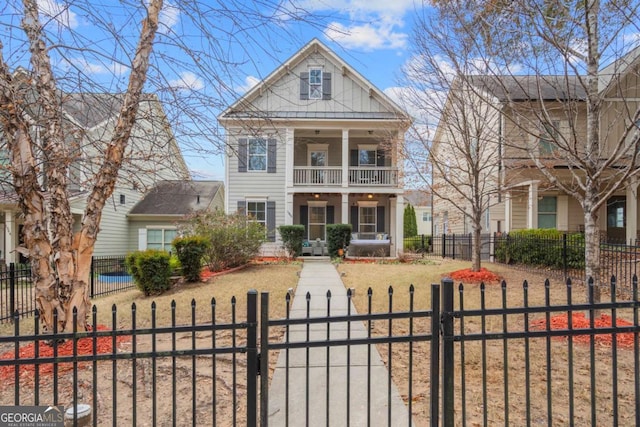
column 410, row 222
column 150, row 270
column 415, row 243
column 542, row 247
column 292, row 237
column 338, row 237
column 233, row 240
column 190, row 251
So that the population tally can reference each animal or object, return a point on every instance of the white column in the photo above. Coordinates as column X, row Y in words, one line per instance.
column 345, row 158
column 345, row 208
column 9, row 237
column 397, row 210
column 532, row 211
column 288, row 153
column 632, row 211
column 562, row 213
column 288, row 213
column 507, row 212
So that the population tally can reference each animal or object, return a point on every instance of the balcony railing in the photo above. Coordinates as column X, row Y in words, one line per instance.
column 358, row 176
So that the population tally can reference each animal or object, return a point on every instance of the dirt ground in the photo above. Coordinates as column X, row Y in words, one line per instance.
column 126, row 388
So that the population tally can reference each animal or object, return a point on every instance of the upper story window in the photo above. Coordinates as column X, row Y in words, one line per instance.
column 426, row 216
column 257, row 152
column 549, row 132
column 315, row 83
column 367, row 155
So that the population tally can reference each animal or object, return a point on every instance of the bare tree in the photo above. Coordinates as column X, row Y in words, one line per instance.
column 186, row 54
column 456, row 129
column 583, row 113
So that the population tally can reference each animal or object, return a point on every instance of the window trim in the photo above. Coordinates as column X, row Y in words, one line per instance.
column 368, row 147
column 549, row 133
column 548, row 214
column 251, row 218
column 265, row 155
column 317, row 204
column 315, row 86
column 163, row 229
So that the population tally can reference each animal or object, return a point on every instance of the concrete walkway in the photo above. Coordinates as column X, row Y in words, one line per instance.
column 318, row 277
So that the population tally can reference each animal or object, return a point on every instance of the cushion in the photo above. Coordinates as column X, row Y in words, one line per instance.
column 379, row 236
column 354, row 236
column 305, row 244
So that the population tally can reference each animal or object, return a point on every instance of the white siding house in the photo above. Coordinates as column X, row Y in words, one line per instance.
column 315, row 143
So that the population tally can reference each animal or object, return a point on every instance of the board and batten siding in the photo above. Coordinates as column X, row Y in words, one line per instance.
column 347, row 95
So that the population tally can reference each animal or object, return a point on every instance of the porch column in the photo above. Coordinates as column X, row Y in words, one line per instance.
column 632, row 211
column 288, row 213
column 288, row 154
column 345, row 209
column 532, row 211
column 396, row 220
column 345, row 159
column 9, row 237
column 507, row 212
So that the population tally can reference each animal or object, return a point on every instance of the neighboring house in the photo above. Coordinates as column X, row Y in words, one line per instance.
column 153, row 220
column 315, row 143
column 523, row 198
column 421, row 202
column 152, row 155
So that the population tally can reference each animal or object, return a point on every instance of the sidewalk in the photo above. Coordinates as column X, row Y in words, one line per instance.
column 318, row 277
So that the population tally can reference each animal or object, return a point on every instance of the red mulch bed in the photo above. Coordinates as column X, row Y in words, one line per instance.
column 468, row 276
column 104, row 345
column 579, row 321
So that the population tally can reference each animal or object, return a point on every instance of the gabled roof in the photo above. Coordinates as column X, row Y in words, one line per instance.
column 530, row 88
column 241, row 108
column 618, row 68
column 178, row 198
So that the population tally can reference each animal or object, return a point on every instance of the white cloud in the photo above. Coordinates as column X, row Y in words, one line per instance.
column 366, row 37
column 58, row 12
column 169, row 16
column 187, row 80
column 113, row 68
column 249, row 83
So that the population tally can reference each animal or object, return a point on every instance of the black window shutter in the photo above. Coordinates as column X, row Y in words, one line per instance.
column 326, row 86
column 242, row 207
column 271, row 221
column 304, row 219
column 380, row 157
column 354, row 219
column 331, row 215
column 380, row 220
column 353, row 157
column 242, row 155
column 304, row 85
column 271, row 155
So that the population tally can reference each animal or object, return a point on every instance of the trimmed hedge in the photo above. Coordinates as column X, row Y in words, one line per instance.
column 292, row 237
column 338, row 237
column 542, row 247
column 150, row 270
column 190, row 251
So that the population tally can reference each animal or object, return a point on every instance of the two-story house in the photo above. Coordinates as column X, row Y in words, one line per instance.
column 152, row 155
column 521, row 196
column 315, row 143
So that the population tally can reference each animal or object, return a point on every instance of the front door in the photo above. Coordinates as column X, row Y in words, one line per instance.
column 617, row 219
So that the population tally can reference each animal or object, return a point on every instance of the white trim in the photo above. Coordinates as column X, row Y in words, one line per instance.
column 367, row 203
column 317, row 203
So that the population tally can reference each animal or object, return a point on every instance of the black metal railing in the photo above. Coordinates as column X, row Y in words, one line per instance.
column 108, row 275
column 507, row 362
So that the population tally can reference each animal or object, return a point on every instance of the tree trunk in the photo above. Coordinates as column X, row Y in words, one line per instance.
column 476, row 252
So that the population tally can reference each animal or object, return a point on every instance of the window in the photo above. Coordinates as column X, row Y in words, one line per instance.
column 257, row 155
column 160, row 238
column 548, row 137
column 257, row 212
column 367, row 156
column 367, row 218
column 426, row 216
column 315, row 83
column 317, row 222
column 547, row 211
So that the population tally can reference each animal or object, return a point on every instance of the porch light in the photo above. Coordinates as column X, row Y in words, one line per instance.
column 317, row 196
column 369, row 196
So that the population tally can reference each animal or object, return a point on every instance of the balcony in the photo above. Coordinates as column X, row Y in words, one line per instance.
column 358, row 176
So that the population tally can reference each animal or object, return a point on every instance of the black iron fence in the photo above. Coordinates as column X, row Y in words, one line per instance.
column 521, row 359
column 108, row 275
column 561, row 256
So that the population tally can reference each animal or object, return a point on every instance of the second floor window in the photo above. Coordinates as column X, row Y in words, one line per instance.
column 426, row 216
column 315, row 83
column 366, row 157
column 257, row 155
column 547, row 143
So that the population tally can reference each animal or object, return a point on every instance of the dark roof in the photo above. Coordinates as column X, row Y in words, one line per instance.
column 523, row 88
column 91, row 109
column 177, row 198
column 418, row 197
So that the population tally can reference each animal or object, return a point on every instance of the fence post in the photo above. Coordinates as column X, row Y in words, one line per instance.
column 444, row 244
column 264, row 359
column 12, row 289
column 564, row 255
column 252, row 357
column 435, row 354
column 424, row 249
column 446, row 326
column 91, row 278
column 453, row 246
